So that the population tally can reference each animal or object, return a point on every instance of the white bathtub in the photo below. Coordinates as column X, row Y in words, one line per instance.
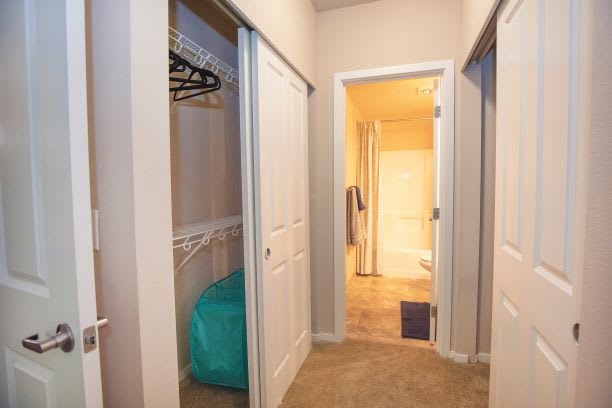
column 404, row 263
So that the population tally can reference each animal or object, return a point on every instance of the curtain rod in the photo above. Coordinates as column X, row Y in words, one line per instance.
column 404, row 119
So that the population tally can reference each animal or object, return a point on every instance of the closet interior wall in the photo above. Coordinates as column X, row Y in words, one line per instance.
column 205, row 160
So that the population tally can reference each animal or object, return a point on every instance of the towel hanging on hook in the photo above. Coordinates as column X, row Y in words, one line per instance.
column 198, row 78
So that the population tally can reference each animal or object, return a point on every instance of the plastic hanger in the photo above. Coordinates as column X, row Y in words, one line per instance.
column 199, row 78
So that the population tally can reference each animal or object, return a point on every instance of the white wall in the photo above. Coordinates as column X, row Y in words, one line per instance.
column 595, row 361
column 352, row 116
column 475, row 15
column 130, row 166
column 205, row 157
column 289, row 25
column 385, row 33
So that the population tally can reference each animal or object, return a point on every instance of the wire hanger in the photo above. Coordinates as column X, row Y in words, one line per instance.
column 199, row 78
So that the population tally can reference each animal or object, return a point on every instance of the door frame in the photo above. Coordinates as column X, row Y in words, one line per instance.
column 247, row 146
column 446, row 70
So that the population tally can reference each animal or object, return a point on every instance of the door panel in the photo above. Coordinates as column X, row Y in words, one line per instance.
column 543, row 51
column 46, row 255
column 547, row 375
column 281, row 204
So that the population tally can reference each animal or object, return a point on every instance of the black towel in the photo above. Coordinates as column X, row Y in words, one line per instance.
column 360, row 203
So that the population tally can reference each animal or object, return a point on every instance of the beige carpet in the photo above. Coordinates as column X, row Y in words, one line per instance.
column 362, row 374
column 198, row 395
column 365, row 374
column 374, row 368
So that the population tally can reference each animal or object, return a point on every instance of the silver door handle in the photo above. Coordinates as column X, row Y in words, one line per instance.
column 63, row 340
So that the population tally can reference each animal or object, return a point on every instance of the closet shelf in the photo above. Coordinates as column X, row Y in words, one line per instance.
column 200, row 57
column 192, row 237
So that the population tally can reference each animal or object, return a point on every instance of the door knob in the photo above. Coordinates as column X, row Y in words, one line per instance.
column 63, row 339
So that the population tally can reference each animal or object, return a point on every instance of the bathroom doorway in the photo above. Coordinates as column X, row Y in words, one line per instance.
column 393, row 156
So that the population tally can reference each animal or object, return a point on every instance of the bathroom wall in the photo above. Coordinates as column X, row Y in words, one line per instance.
column 406, row 160
column 353, row 114
column 205, row 158
column 406, row 180
column 417, row 134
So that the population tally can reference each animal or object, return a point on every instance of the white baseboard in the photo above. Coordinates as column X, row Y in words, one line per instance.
column 185, row 372
column 458, row 357
column 484, row 358
column 324, row 337
column 465, row 358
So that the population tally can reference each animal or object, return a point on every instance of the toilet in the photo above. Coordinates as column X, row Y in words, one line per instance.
column 425, row 261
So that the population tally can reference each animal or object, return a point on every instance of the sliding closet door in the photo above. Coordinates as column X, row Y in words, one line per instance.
column 281, row 206
column 543, row 90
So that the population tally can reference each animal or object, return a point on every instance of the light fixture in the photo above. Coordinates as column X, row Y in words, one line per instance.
column 426, row 90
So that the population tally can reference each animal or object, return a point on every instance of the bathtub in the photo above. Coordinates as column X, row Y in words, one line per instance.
column 404, row 263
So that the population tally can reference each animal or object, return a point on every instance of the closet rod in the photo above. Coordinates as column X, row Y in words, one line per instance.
column 404, row 119
column 201, row 58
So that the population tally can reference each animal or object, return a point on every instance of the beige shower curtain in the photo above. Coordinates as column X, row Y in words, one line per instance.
column 370, row 252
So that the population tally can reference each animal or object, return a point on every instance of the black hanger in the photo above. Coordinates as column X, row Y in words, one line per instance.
column 199, row 78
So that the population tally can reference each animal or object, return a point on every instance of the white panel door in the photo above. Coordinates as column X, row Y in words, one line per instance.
column 543, row 88
column 281, row 203
column 46, row 258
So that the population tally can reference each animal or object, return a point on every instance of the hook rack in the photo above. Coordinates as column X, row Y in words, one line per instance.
column 201, row 58
column 192, row 237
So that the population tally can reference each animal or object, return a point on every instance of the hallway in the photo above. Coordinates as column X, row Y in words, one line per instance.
column 366, row 374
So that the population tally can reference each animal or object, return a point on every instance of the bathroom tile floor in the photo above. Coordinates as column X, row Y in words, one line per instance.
column 373, row 308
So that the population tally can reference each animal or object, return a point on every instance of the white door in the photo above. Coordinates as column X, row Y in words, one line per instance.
column 281, row 205
column 46, row 260
column 435, row 226
column 543, row 90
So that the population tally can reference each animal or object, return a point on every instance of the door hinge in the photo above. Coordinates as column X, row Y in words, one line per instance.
column 434, row 311
column 435, row 214
column 437, row 111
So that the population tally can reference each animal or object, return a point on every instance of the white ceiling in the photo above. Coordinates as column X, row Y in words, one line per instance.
column 323, row 5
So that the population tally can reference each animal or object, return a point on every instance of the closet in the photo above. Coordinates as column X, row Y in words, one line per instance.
column 229, row 162
column 205, row 168
column 211, row 170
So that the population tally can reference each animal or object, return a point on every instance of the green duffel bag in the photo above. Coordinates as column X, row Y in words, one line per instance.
column 218, row 334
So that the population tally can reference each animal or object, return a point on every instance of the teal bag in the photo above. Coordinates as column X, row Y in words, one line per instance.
column 218, row 334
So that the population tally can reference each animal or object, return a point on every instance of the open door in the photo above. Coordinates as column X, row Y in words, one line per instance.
column 46, row 255
column 543, row 103
column 435, row 213
column 280, row 121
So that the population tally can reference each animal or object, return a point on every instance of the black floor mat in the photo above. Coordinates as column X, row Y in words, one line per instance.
column 415, row 320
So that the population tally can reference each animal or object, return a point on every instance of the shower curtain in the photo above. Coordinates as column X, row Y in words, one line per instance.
column 370, row 251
